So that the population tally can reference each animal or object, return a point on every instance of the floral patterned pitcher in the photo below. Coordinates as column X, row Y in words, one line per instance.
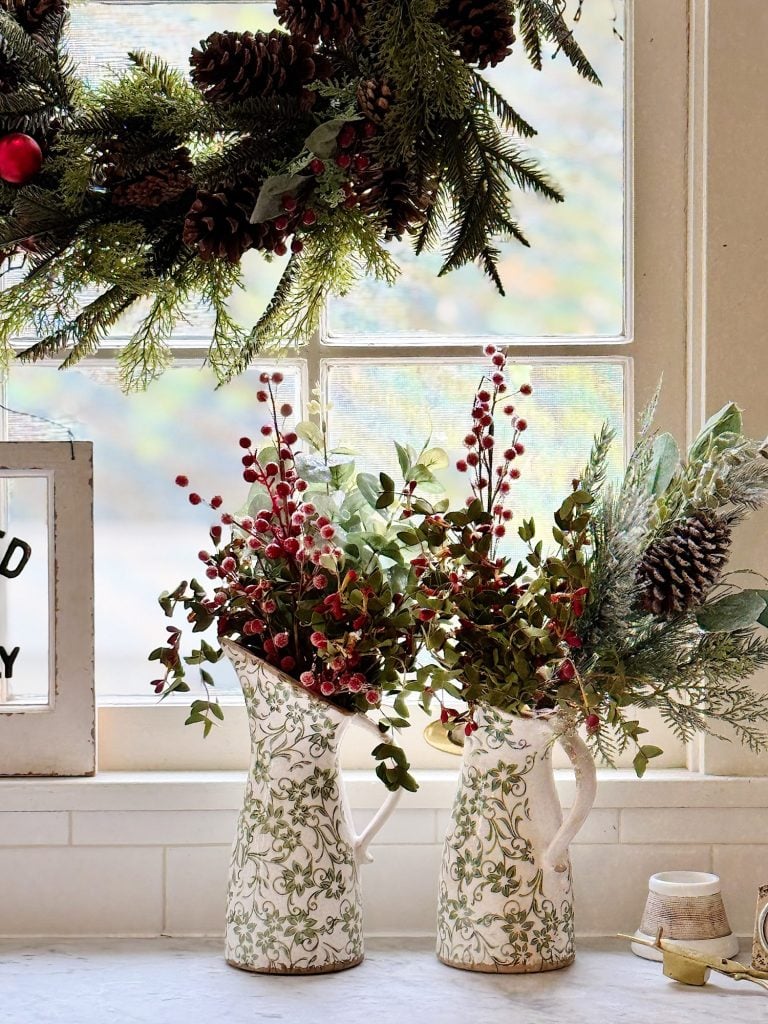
column 294, row 899
column 505, row 897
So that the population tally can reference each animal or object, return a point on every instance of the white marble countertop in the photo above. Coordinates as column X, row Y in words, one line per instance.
column 185, row 981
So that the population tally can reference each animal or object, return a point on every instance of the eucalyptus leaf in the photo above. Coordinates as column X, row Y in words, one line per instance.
column 434, row 458
column 310, row 432
column 322, row 141
column 369, row 487
column 725, row 420
column 666, row 457
column 269, row 203
column 312, row 468
column 736, row 611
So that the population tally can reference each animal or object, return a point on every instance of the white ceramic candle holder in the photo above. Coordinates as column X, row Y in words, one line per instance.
column 688, row 907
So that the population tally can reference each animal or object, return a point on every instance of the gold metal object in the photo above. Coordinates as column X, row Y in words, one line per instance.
column 760, row 944
column 439, row 736
column 690, row 967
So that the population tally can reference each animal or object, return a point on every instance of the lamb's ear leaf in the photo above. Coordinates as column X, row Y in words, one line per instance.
column 735, row 611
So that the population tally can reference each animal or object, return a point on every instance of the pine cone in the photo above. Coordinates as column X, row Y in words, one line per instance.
column 233, row 66
column 374, row 99
column 395, row 197
column 483, row 29
column 165, row 183
column 218, row 223
column 678, row 570
column 30, row 14
column 333, row 21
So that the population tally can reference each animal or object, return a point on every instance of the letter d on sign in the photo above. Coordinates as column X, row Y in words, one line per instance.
column 20, row 550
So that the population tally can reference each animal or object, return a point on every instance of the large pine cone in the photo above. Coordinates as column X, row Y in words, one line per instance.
column 395, row 197
column 218, row 224
column 375, row 98
column 231, row 67
column 678, row 571
column 333, row 21
column 483, row 29
column 30, row 14
column 165, row 183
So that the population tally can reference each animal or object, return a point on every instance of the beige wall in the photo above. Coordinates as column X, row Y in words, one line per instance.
column 736, row 255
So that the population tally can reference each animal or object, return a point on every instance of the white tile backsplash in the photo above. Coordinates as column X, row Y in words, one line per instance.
column 66, row 890
column 144, row 856
column 152, row 828
column 34, row 828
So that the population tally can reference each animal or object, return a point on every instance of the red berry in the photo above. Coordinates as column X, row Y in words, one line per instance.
column 245, row 442
column 369, row 129
column 343, row 160
column 281, row 223
column 490, row 350
column 461, row 465
column 308, row 217
column 361, row 162
column 473, row 459
column 487, row 442
column 592, row 723
column 277, row 377
column 263, row 378
column 470, row 440
column 526, row 389
column 266, row 430
column 194, row 499
column 346, row 136
column 519, row 448
column 289, row 202
column 317, row 166
column 509, row 410
column 566, row 672
column 217, row 501
column 499, row 359
column 273, row 550
column 350, row 202
column 483, row 396
column 286, row 409
column 280, row 249
column 297, row 245
column 182, row 480
column 522, row 424
column 514, row 474
column 290, row 438
column 250, row 475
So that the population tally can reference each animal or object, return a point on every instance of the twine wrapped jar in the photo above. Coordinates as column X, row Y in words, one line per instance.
column 688, row 907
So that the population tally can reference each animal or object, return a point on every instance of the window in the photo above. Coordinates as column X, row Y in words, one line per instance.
column 586, row 330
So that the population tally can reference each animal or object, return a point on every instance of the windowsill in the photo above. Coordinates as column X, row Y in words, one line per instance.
column 211, row 790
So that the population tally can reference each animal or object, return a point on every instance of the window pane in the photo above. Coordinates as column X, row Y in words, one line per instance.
column 102, row 33
column 24, row 585
column 375, row 404
column 146, row 534
column 571, row 281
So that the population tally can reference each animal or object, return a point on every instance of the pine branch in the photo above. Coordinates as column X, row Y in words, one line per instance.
column 507, row 116
column 530, row 30
column 82, row 335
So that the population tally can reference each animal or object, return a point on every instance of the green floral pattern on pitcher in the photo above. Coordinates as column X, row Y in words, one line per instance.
column 501, row 905
column 294, row 899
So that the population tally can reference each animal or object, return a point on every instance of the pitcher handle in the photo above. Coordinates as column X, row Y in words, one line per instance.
column 363, row 841
column 586, row 790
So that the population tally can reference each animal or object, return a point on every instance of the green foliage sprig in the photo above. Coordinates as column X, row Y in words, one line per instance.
column 440, row 164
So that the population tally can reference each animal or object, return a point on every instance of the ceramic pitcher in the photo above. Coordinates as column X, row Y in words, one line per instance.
column 505, row 900
column 294, row 899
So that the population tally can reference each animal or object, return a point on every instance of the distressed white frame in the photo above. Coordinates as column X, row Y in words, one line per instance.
column 58, row 738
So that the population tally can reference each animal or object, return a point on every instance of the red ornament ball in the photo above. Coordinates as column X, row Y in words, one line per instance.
column 20, row 158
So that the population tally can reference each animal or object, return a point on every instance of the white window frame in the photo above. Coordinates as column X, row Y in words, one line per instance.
column 663, row 171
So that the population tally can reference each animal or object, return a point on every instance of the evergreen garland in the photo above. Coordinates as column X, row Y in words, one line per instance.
column 376, row 122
